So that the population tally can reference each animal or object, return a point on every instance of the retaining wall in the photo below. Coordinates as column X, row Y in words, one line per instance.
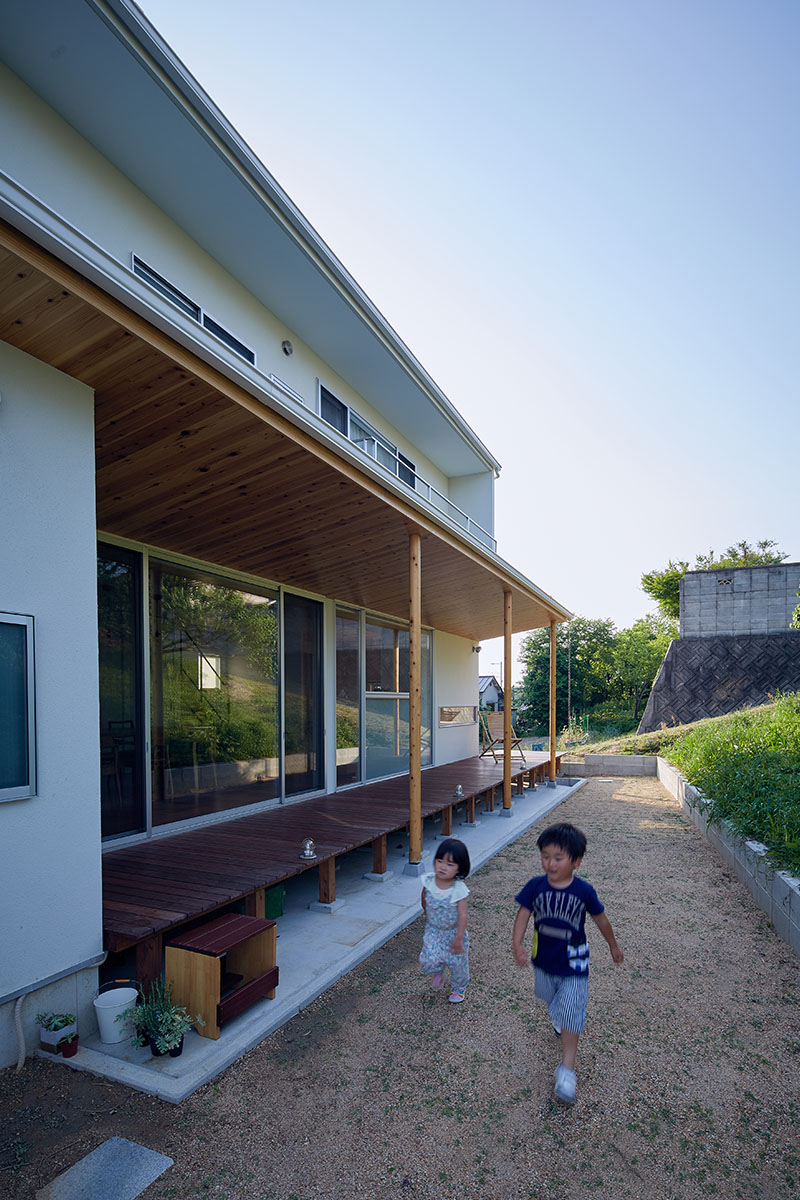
column 777, row 893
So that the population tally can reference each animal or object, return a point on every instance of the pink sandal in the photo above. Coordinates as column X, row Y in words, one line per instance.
column 456, row 996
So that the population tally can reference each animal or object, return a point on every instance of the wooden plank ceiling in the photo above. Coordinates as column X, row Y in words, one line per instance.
column 190, row 463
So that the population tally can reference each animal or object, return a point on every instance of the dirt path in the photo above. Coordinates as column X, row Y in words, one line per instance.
column 688, row 1074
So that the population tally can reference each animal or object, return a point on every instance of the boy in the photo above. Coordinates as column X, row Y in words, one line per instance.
column 559, row 901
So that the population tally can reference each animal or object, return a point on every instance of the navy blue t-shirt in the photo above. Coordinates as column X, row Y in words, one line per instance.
column 559, row 916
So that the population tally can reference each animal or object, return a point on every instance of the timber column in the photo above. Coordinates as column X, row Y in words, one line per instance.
column 552, row 768
column 507, row 701
column 414, row 865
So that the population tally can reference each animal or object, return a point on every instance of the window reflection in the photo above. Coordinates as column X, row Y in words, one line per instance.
column 119, row 661
column 214, row 689
column 387, row 719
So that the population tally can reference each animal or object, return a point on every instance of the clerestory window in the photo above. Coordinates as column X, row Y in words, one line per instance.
column 348, row 422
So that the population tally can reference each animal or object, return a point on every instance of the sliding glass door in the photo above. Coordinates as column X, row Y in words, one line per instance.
column 348, row 697
column 119, row 607
column 386, row 701
column 214, row 694
column 302, row 690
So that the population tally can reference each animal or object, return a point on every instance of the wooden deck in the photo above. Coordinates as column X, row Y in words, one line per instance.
column 159, row 885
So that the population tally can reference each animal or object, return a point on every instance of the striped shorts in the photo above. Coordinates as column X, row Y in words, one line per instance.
column 565, row 996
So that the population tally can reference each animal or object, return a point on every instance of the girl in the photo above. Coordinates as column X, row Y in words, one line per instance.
column 445, row 942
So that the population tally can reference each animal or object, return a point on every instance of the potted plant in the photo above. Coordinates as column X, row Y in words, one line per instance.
column 53, row 1027
column 158, row 1021
column 69, row 1045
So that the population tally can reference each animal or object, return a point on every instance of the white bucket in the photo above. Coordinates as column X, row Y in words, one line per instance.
column 107, row 1007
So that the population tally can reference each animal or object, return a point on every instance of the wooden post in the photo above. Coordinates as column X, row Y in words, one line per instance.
column 447, row 821
column 507, row 700
column 379, row 855
column 414, row 701
column 254, row 904
column 552, row 700
column 149, row 959
column 327, row 881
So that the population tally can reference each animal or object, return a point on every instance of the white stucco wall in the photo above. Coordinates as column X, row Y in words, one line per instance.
column 50, row 896
column 455, row 682
column 475, row 494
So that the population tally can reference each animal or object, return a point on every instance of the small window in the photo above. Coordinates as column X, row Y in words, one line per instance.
column 166, row 289
column 239, row 347
column 332, row 410
column 17, row 725
column 458, row 714
column 406, row 470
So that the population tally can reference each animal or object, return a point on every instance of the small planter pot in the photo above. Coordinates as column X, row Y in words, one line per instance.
column 69, row 1049
column 175, row 1052
column 49, row 1039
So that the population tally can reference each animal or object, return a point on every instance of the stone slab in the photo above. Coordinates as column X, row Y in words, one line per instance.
column 116, row 1170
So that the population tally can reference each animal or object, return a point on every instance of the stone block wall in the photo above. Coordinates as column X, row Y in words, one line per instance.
column 711, row 676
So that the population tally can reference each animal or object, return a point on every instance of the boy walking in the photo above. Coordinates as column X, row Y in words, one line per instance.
column 559, row 901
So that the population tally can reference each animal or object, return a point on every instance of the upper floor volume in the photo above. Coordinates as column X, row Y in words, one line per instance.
column 173, row 214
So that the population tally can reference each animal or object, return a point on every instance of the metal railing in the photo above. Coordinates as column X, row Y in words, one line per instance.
column 393, row 465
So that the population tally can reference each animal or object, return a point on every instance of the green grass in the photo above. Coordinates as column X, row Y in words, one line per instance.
column 746, row 764
column 748, row 769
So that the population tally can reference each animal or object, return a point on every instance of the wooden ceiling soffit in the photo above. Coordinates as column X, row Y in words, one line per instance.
column 190, row 462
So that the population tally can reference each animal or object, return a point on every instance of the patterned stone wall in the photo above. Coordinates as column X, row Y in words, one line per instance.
column 710, row 676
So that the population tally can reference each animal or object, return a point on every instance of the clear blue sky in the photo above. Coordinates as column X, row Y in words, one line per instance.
column 582, row 218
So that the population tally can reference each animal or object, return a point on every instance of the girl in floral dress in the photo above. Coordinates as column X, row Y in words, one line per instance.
column 445, row 943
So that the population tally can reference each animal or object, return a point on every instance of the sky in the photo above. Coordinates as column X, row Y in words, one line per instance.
column 582, row 218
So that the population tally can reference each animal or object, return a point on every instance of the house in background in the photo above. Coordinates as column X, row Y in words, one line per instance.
column 490, row 693
column 219, row 465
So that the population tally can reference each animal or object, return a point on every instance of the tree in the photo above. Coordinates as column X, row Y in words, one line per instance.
column 664, row 586
column 637, row 654
column 795, row 621
column 583, row 660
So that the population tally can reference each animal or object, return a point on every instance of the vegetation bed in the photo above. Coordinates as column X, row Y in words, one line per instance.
column 746, row 764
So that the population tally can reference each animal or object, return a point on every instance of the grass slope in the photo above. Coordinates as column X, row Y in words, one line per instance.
column 746, row 764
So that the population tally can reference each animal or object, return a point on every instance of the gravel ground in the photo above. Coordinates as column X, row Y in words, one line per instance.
column 688, row 1073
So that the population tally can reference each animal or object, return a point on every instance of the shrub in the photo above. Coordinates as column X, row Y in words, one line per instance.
column 748, row 769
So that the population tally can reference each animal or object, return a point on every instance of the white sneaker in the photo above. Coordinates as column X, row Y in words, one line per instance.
column 565, row 1084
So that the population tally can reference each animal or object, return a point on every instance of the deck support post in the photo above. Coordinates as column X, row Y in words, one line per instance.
column 327, row 888
column 149, row 960
column 447, row 821
column 507, row 700
column 379, row 855
column 254, row 903
column 552, row 725
column 414, row 705
column 327, row 881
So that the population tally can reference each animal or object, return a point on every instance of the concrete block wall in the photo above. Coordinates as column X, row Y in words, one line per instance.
column 610, row 764
column 739, row 601
column 777, row 893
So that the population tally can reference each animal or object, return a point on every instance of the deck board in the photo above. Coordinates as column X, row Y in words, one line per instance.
column 160, row 884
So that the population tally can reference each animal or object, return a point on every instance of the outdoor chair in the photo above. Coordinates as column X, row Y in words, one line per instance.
column 492, row 731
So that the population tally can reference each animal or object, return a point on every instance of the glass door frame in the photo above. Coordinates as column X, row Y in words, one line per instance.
column 146, row 553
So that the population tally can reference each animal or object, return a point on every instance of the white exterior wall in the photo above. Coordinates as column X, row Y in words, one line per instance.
column 50, row 903
column 455, row 682
column 48, row 159
column 475, row 494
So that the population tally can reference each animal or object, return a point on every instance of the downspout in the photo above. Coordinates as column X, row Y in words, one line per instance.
column 19, row 996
